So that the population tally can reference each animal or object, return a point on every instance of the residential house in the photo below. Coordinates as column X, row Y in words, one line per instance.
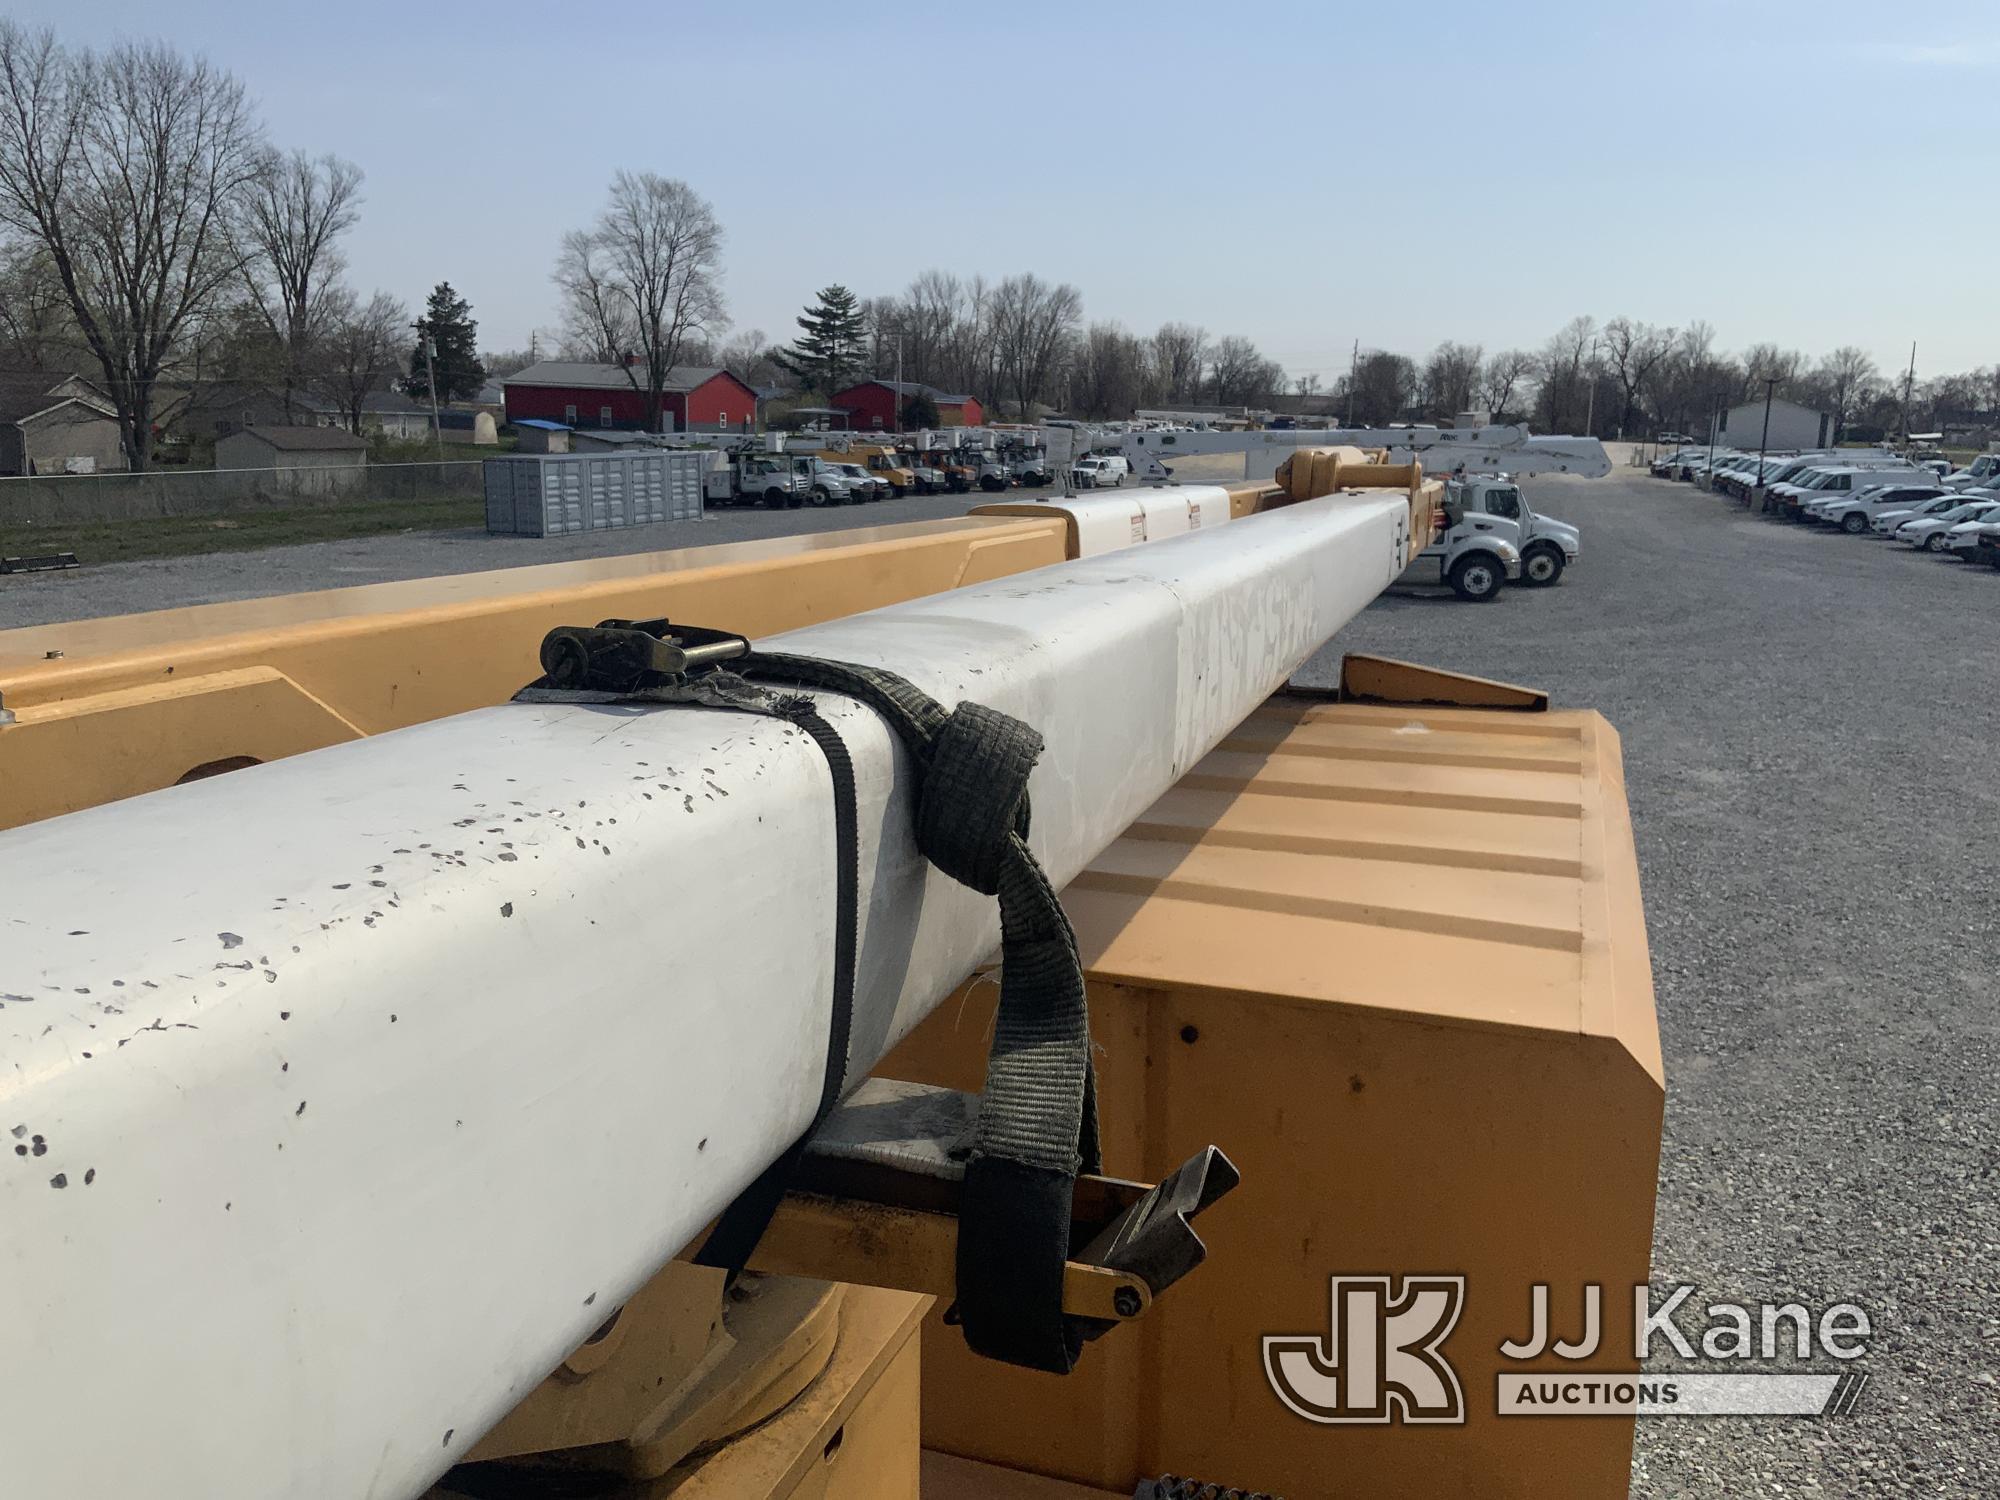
column 52, row 423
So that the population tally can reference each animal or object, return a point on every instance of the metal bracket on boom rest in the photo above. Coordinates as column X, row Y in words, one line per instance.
column 875, row 1202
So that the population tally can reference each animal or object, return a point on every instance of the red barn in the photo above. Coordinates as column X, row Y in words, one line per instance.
column 876, row 405
column 601, row 395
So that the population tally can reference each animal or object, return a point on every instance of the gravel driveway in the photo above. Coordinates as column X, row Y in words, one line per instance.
column 170, row 582
column 1810, row 739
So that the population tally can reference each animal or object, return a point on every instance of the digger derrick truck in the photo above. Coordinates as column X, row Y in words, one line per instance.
column 400, row 1052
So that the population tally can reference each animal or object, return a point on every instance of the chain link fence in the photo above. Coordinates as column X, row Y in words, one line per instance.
column 57, row 499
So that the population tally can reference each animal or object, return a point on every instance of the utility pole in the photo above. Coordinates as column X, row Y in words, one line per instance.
column 901, row 398
column 1353, row 369
column 1590, row 376
column 1909, row 381
column 430, row 368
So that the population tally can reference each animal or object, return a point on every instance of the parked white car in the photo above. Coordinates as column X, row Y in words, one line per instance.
column 1853, row 514
column 1889, row 522
column 1961, row 539
column 1832, row 501
column 866, row 485
column 1929, row 533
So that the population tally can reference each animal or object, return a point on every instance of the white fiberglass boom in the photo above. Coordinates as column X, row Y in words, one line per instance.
column 1441, row 450
column 349, row 1092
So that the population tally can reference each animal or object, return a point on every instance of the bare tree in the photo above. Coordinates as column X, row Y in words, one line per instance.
column 1634, row 351
column 1180, row 353
column 36, row 329
column 129, row 169
column 1032, row 321
column 933, row 305
column 297, row 208
column 1110, row 376
column 1846, row 374
column 358, row 348
column 1306, row 385
column 1504, row 376
column 1382, row 387
column 1451, row 375
column 596, row 323
column 1561, row 370
column 748, row 356
column 644, row 279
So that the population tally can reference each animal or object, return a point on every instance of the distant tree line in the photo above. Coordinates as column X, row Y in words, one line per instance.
column 1630, row 379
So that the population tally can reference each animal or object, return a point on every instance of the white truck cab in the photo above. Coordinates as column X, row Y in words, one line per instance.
column 1547, row 546
column 1981, row 473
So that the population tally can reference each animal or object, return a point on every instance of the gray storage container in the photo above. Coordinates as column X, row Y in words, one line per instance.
column 557, row 494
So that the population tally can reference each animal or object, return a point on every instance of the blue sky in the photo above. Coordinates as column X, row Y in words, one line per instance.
column 1303, row 174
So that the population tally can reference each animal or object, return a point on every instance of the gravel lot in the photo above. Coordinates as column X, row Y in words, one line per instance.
column 1809, row 731
column 169, row 582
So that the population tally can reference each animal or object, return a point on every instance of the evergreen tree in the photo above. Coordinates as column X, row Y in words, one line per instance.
column 919, row 411
column 827, row 354
column 448, row 320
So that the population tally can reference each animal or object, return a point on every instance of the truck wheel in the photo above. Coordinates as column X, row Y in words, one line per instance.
column 897, row 491
column 774, row 499
column 819, row 495
column 1477, row 578
column 1543, row 566
column 1854, row 523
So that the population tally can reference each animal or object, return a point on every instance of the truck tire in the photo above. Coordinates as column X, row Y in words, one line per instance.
column 1478, row 577
column 774, row 499
column 1542, row 565
column 1854, row 523
column 819, row 495
column 897, row 491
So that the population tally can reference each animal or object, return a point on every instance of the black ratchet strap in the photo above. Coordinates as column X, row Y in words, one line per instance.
column 1037, row 1123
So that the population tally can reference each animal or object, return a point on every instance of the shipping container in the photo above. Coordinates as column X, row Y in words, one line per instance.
column 559, row 494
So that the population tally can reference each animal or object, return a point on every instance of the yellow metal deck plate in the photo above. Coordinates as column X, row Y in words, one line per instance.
column 1392, row 960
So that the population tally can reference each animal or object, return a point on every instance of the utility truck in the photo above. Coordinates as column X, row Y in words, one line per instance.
column 567, row 1070
column 1491, row 536
column 754, row 478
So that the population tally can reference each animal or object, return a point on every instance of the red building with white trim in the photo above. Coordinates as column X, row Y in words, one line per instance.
column 875, row 405
column 697, row 398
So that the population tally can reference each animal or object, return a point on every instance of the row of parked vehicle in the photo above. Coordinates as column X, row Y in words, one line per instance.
column 855, row 472
column 1922, row 503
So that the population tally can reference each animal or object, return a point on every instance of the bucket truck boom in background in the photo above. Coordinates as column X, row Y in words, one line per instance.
column 1484, row 507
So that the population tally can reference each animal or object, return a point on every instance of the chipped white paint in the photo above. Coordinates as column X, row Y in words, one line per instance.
column 353, row 1089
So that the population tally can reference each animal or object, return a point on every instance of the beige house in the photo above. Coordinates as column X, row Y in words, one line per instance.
column 57, row 424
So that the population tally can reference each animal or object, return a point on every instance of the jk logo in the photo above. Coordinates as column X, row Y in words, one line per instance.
column 1381, row 1363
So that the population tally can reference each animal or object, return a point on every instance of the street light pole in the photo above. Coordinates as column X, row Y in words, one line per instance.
column 1763, row 442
